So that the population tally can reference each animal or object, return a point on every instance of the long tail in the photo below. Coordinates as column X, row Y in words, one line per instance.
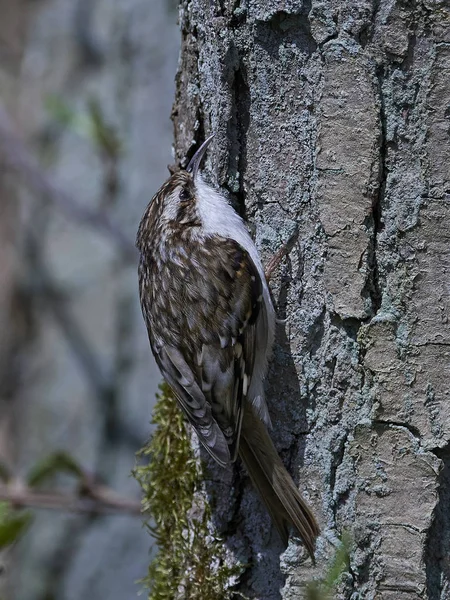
column 273, row 482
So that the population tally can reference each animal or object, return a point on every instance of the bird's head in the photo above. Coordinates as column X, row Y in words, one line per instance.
column 185, row 205
column 177, row 198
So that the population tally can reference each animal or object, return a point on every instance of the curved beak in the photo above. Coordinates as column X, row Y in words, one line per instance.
column 195, row 161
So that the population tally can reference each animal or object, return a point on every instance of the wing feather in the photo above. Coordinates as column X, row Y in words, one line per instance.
column 193, row 402
column 203, row 333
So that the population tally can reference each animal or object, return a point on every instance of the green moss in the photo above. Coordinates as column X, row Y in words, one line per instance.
column 190, row 562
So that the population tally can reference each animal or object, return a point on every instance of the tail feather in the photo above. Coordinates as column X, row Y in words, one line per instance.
column 274, row 484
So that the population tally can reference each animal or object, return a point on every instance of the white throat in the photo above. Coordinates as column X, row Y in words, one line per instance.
column 219, row 217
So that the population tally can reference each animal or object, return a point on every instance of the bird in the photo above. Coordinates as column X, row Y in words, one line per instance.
column 211, row 326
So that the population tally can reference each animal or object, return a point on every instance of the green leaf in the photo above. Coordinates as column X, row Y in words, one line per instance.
column 341, row 561
column 324, row 588
column 59, row 462
column 12, row 524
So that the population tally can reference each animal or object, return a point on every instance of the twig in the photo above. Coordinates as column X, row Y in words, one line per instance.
column 101, row 500
column 15, row 156
column 276, row 259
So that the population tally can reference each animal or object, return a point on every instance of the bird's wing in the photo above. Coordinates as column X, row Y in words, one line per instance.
column 192, row 400
column 206, row 351
column 225, row 366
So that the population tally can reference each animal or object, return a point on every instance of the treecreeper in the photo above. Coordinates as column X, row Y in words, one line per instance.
column 211, row 323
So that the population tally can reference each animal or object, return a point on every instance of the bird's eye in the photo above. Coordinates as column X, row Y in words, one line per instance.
column 184, row 195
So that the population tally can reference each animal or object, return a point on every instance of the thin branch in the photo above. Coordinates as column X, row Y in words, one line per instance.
column 101, row 500
column 15, row 156
column 276, row 259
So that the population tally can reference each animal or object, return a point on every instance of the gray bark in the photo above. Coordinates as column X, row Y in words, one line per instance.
column 332, row 117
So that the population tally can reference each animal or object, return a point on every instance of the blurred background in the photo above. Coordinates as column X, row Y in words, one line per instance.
column 86, row 88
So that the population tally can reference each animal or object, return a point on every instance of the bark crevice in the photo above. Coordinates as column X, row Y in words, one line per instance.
column 437, row 548
column 373, row 284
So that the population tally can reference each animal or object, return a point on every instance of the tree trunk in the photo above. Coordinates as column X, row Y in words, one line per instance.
column 332, row 117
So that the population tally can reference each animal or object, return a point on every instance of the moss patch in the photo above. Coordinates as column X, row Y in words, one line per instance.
column 190, row 562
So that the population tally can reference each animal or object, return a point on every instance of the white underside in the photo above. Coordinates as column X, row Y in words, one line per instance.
column 219, row 217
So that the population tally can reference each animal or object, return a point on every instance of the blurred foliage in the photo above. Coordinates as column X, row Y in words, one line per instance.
column 103, row 133
column 58, row 462
column 13, row 521
column 91, row 124
column 190, row 562
column 324, row 589
column 12, row 524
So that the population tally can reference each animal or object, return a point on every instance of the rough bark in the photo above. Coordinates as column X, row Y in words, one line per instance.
column 332, row 117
